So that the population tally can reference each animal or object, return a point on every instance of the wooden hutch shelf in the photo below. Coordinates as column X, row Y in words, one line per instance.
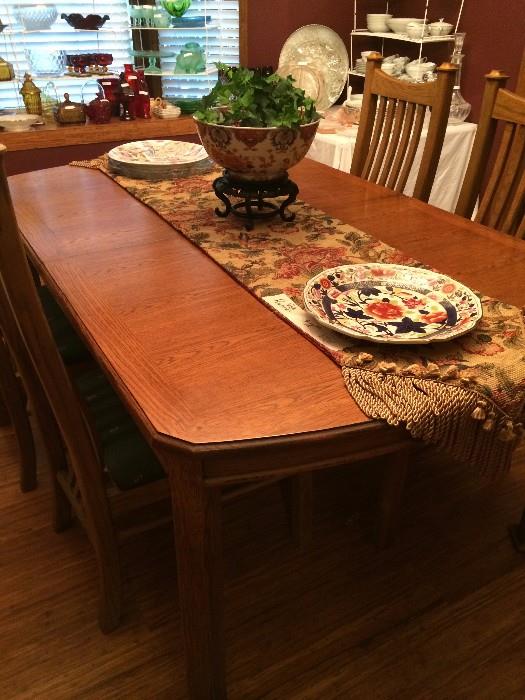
column 55, row 136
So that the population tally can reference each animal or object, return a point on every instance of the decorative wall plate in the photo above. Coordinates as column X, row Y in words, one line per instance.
column 392, row 303
column 158, row 160
column 322, row 50
column 306, row 79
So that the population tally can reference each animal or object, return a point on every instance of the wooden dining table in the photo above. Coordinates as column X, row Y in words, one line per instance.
column 222, row 388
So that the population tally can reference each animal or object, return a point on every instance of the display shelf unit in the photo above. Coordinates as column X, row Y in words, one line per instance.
column 392, row 36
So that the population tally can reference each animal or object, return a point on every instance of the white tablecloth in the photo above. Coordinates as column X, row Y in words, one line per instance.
column 337, row 150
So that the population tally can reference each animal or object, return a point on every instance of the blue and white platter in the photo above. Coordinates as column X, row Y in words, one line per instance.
column 384, row 303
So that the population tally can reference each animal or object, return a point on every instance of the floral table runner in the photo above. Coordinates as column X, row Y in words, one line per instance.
column 465, row 396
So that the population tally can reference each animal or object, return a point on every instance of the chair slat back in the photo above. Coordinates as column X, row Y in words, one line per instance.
column 21, row 306
column 391, row 124
column 502, row 203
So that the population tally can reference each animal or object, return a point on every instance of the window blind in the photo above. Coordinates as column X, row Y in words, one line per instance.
column 219, row 40
column 15, row 42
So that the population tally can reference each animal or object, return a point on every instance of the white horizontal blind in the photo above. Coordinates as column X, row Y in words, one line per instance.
column 220, row 41
column 114, row 38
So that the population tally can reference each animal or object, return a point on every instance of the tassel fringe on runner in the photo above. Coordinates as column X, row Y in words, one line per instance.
column 453, row 418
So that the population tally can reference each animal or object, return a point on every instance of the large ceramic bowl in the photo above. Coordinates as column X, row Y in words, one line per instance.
column 399, row 24
column 256, row 153
column 36, row 17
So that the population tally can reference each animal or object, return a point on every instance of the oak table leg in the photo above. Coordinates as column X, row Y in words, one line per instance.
column 392, row 486
column 197, row 522
column 517, row 534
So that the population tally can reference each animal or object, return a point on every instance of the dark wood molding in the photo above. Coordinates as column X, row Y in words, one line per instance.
column 243, row 32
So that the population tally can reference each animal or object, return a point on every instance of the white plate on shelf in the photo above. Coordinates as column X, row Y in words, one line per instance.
column 396, row 304
column 158, row 160
column 323, row 51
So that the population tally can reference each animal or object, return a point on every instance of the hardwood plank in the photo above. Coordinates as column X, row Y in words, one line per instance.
column 439, row 615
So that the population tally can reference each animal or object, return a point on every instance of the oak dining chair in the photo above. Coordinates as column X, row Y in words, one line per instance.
column 390, row 126
column 78, row 410
column 502, row 203
column 15, row 402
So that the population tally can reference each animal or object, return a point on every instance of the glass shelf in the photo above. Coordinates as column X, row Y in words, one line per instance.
column 178, row 29
column 172, row 74
column 403, row 37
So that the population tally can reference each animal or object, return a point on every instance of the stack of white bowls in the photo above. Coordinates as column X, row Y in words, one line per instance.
column 377, row 22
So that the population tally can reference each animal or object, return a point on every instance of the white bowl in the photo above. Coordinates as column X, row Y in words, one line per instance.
column 18, row 122
column 36, row 17
column 417, row 30
column 399, row 24
column 377, row 23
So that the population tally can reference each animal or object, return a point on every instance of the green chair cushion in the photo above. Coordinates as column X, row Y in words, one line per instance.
column 70, row 347
column 126, row 455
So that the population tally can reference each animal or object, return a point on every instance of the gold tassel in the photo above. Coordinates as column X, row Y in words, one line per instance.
column 488, row 425
column 413, row 370
column 506, row 434
column 363, row 357
column 451, row 372
column 432, row 370
column 389, row 367
column 478, row 413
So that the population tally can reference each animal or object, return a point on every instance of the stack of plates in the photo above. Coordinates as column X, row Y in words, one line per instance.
column 360, row 66
column 158, row 160
column 392, row 303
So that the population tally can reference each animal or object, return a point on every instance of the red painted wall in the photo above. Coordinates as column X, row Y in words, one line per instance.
column 495, row 32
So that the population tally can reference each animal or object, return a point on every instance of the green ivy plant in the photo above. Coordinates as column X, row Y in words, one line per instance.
column 245, row 98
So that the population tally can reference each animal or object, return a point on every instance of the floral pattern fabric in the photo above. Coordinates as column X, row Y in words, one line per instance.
column 482, row 373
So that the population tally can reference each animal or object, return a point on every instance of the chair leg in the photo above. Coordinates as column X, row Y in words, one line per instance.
column 5, row 418
column 15, row 402
column 517, row 534
column 395, row 472
column 110, row 588
column 298, row 497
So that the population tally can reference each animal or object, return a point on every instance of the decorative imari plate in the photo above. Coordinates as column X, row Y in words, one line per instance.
column 392, row 303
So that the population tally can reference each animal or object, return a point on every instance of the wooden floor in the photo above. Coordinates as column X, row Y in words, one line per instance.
column 441, row 615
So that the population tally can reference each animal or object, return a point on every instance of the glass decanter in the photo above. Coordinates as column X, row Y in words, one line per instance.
column 459, row 107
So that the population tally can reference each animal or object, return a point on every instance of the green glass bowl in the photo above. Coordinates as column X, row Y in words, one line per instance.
column 187, row 105
column 176, row 8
